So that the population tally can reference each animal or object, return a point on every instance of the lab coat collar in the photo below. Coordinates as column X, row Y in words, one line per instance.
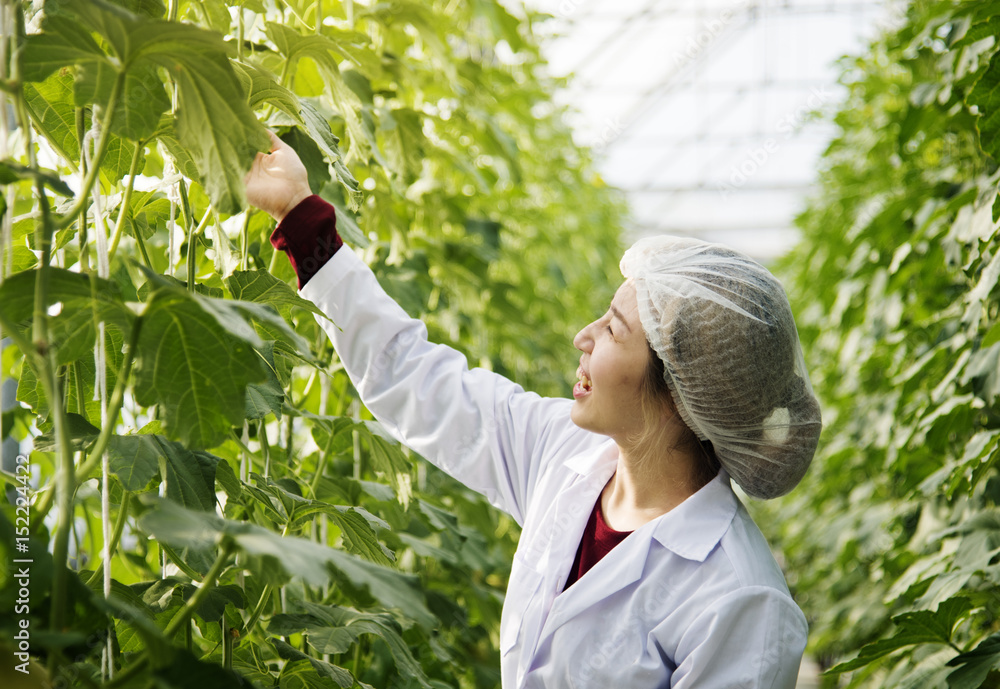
column 693, row 528
column 690, row 530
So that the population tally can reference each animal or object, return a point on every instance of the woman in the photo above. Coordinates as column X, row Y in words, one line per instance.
column 637, row 566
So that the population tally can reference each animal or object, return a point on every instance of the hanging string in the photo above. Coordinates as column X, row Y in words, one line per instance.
column 101, row 385
column 170, row 179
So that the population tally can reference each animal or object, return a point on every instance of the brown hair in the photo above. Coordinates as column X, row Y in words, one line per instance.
column 654, row 395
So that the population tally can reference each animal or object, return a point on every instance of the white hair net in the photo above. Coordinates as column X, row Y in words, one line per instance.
column 722, row 326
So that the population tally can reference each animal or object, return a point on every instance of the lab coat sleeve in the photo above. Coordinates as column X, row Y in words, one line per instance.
column 752, row 638
column 477, row 426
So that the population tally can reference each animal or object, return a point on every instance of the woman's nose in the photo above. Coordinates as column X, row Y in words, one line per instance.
column 583, row 340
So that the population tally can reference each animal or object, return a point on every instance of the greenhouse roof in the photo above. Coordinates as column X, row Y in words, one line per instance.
column 700, row 110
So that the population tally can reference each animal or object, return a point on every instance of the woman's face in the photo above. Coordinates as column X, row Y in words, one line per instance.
column 612, row 369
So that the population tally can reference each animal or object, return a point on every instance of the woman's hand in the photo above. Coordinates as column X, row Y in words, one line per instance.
column 277, row 181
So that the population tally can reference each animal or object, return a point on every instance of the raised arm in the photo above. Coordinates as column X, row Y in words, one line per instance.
column 481, row 428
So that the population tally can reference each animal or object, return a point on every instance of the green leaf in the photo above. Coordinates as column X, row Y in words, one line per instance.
column 193, row 367
column 356, row 525
column 921, row 627
column 228, row 481
column 166, row 134
column 142, row 103
column 140, row 622
column 303, row 671
column 53, row 110
column 333, row 629
column 267, row 397
column 213, row 123
column 11, row 172
column 76, row 291
column 993, row 334
column 63, row 43
column 975, row 665
column 80, row 377
column 317, row 168
column 283, row 557
column 261, row 287
column 985, row 95
column 80, row 430
column 190, row 478
column 261, row 87
column 979, row 31
column 185, row 671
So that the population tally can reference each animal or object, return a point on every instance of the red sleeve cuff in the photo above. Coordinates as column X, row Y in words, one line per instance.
column 308, row 235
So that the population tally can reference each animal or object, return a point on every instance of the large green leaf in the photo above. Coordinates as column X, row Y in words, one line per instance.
column 356, row 524
column 63, row 43
column 262, row 287
column 185, row 671
column 214, row 123
column 975, row 665
column 190, row 364
column 283, row 557
column 142, row 102
column 333, row 629
column 51, row 104
column 921, row 627
column 985, row 95
column 305, row 672
column 267, row 397
column 261, row 87
column 190, row 478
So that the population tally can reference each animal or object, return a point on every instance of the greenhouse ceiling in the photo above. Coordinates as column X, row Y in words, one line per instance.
column 700, row 110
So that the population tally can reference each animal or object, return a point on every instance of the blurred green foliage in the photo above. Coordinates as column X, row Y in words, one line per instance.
column 891, row 542
column 340, row 560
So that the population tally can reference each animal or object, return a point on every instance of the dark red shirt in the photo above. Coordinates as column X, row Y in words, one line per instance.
column 598, row 540
column 308, row 235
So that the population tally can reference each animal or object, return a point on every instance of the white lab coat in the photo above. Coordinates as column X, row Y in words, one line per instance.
column 693, row 599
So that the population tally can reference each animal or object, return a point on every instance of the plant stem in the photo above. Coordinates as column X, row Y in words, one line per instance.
column 82, row 235
column 239, row 33
column 115, row 537
column 245, row 242
column 125, row 209
column 265, row 594
column 258, row 609
column 180, row 618
column 179, row 562
column 48, row 368
column 199, row 596
column 102, row 147
column 114, row 408
column 193, row 234
column 227, row 644
column 142, row 249
column 65, row 488
column 274, row 261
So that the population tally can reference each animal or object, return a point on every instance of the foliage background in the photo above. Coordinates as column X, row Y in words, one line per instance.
column 341, row 561
column 891, row 542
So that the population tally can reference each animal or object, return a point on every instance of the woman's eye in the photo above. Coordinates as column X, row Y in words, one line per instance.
column 610, row 331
